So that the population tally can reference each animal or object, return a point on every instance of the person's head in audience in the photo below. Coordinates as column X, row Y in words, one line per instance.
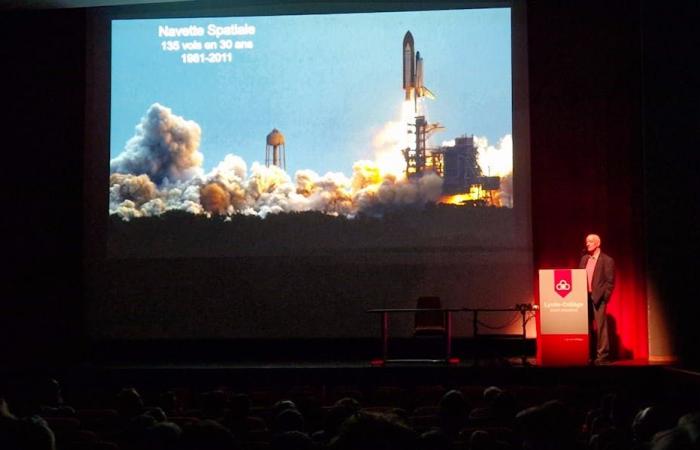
column 624, row 405
column 170, row 403
column 335, row 416
column 684, row 435
column 500, row 403
column 647, row 422
column 208, row 435
column 349, row 403
column 281, row 405
column 607, row 439
column 213, row 404
column 9, row 429
column 5, row 409
column 288, row 420
column 601, row 423
column 365, row 431
column 37, row 434
column 51, row 392
column 434, row 440
column 453, row 405
column 44, row 397
column 129, row 403
column 549, row 425
column 490, row 393
column 607, row 404
column 162, row 436
column 32, row 433
column 481, row 440
column 673, row 439
column 157, row 413
column 133, row 430
column 291, row 440
column 690, row 424
column 239, row 406
column 453, row 412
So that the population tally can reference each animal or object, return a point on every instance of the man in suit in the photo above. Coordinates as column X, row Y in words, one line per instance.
column 600, row 272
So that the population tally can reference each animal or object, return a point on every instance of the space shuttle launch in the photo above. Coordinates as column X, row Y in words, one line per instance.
column 413, row 71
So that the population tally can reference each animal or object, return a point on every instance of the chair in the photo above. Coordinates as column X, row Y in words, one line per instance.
column 429, row 323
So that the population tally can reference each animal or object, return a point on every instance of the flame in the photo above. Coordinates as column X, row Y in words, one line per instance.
column 476, row 193
column 391, row 140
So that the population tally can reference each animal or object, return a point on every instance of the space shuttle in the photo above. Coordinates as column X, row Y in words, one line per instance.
column 413, row 71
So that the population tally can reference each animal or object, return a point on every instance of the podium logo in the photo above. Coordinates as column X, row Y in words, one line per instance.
column 562, row 282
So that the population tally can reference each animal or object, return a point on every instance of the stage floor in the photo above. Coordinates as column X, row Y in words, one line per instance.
column 511, row 362
column 249, row 374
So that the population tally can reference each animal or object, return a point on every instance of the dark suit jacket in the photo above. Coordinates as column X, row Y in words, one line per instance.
column 603, row 278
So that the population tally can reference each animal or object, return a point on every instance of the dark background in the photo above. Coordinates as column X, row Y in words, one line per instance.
column 614, row 122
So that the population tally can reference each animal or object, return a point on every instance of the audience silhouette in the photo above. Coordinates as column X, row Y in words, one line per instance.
column 498, row 419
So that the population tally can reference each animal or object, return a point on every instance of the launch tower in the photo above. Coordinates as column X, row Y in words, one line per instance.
column 420, row 159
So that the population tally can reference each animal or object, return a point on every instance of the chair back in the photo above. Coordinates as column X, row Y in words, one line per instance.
column 429, row 322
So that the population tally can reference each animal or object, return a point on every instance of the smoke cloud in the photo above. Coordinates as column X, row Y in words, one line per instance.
column 160, row 171
column 165, row 146
column 498, row 161
column 137, row 188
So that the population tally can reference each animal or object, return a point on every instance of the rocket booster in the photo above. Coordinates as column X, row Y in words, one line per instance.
column 409, row 70
column 413, row 71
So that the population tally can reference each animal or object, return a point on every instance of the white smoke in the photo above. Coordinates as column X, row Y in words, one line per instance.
column 229, row 189
column 498, row 161
column 184, row 197
column 495, row 160
column 330, row 194
column 165, row 146
column 231, row 175
column 160, row 171
column 127, row 210
column 154, row 207
column 374, row 192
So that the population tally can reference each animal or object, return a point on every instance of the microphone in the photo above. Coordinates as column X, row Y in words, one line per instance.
column 584, row 250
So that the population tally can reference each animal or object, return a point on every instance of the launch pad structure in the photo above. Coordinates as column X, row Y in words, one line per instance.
column 419, row 159
column 457, row 165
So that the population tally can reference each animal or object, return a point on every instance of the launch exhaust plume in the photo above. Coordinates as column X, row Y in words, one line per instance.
column 214, row 198
column 498, row 161
column 136, row 188
column 495, row 160
column 160, row 171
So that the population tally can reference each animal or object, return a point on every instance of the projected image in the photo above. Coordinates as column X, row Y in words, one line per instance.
column 349, row 116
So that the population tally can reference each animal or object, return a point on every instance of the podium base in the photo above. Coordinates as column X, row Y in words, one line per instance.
column 563, row 350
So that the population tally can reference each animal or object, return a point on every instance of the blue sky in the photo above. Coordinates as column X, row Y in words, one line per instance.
column 328, row 82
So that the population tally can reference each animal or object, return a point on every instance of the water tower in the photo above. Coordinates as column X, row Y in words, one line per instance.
column 274, row 150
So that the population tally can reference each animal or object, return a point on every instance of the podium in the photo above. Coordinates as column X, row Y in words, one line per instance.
column 562, row 324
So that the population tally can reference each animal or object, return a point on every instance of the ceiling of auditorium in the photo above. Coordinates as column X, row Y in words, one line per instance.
column 54, row 4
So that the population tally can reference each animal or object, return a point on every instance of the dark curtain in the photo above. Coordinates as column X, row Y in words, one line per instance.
column 586, row 149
